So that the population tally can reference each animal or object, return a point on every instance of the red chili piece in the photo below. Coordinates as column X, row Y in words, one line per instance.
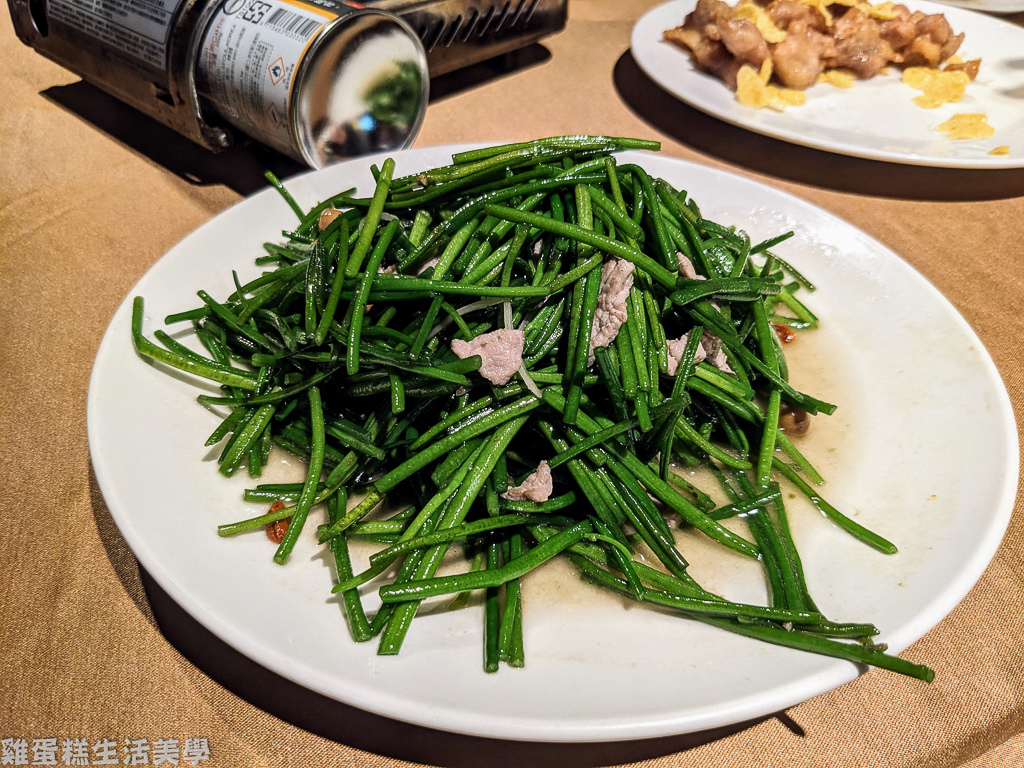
column 784, row 332
column 276, row 530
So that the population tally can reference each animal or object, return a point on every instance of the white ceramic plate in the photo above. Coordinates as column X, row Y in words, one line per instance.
column 987, row 6
column 876, row 118
column 922, row 449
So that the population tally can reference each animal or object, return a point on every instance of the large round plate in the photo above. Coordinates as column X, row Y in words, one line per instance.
column 987, row 6
column 876, row 118
column 922, row 449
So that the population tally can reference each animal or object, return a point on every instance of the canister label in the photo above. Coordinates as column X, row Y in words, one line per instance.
column 137, row 28
column 249, row 55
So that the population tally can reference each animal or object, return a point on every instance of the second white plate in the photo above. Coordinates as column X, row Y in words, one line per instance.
column 876, row 118
column 923, row 449
column 988, row 6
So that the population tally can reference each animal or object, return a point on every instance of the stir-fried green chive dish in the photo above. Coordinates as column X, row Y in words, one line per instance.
column 515, row 351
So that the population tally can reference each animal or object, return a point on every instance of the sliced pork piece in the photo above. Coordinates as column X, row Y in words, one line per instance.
column 712, row 346
column 537, row 487
column 501, row 353
column 686, row 268
column 616, row 281
column 427, row 265
column 382, row 270
column 676, row 348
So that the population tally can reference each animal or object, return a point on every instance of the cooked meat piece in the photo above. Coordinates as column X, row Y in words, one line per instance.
column 722, row 39
column 786, row 12
column 800, row 58
column 616, row 281
column 922, row 52
column 382, row 270
column 707, row 15
column 713, row 349
column 970, row 67
column 686, row 268
column 741, row 38
column 709, row 349
column 676, row 347
column 709, row 55
column 932, row 43
column 935, row 27
column 427, row 265
column 900, row 32
column 744, row 41
column 537, row 487
column 859, row 45
column 720, row 44
column 501, row 353
column 951, row 46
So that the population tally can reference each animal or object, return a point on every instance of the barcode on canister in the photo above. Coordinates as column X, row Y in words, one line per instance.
column 293, row 24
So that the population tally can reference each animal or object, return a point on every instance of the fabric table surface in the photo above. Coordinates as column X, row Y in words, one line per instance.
column 92, row 194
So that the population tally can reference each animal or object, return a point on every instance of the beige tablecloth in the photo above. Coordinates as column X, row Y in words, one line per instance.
column 91, row 194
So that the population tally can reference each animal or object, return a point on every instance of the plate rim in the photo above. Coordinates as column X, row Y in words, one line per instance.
column 1003, row 10
column 389, row 705
column 637, row 50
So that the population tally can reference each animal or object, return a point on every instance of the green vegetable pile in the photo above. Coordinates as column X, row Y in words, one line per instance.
column 351, row 368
